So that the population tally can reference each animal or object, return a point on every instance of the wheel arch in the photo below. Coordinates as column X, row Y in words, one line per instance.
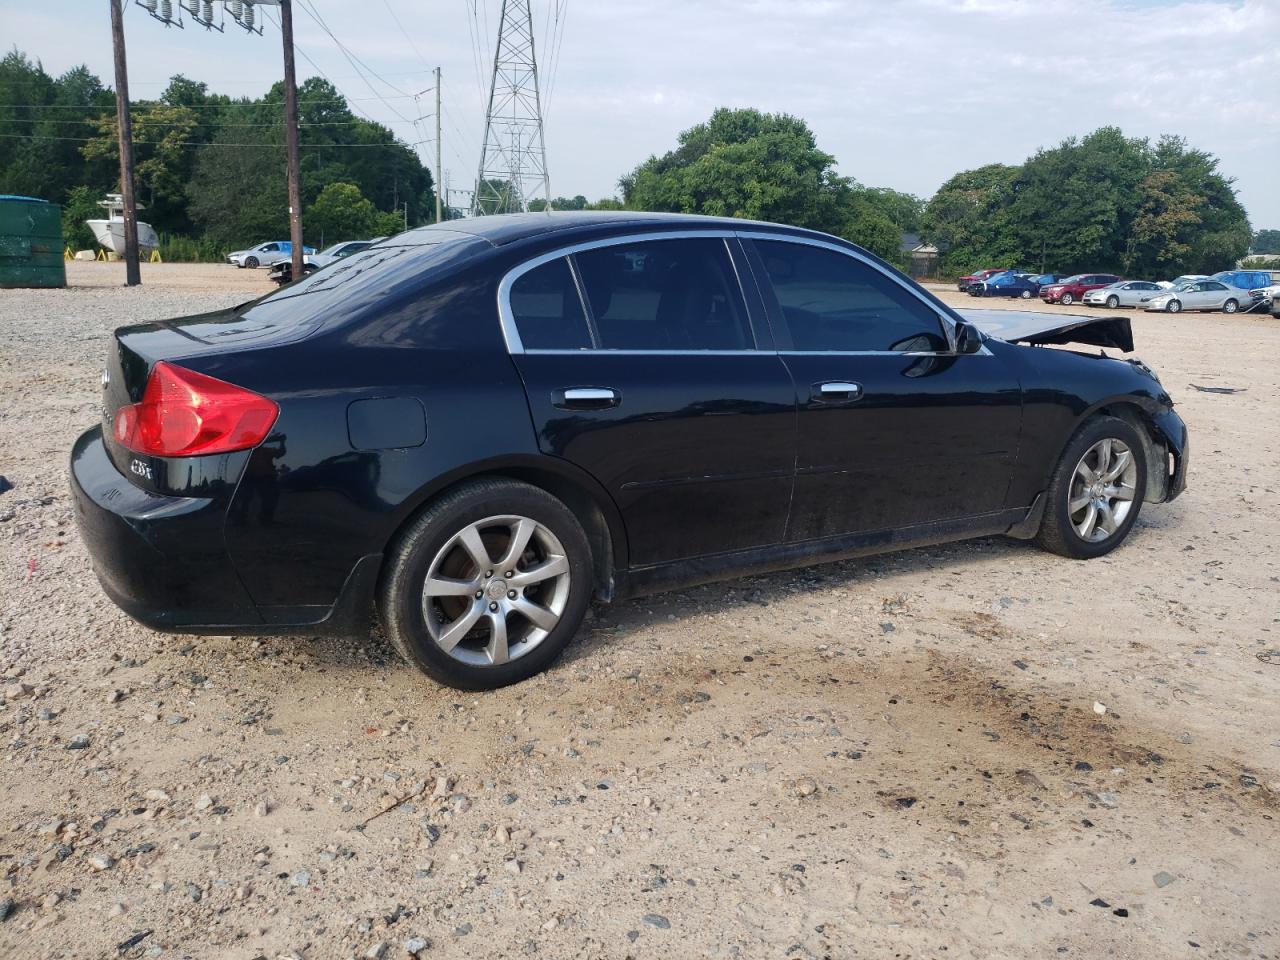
column 578, row 490
column 1155, row 445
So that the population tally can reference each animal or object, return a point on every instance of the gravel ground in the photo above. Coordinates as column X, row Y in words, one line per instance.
column 976, row 750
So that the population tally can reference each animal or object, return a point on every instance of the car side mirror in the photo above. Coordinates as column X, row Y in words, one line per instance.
column 968, row 339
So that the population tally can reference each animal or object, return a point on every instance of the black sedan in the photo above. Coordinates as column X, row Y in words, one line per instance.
column 478, row 427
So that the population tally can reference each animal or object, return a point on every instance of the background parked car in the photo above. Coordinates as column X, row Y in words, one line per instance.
column 978, row 277
column 1006, row 285
column 282, row 272
column 1244, row 279
column 1070, row 290
column 1179, row 281
column 1201, row 295
column 1122, row 293
column 273, row 251
column 1044, row 279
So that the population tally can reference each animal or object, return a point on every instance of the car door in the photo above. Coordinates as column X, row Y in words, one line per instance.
column 645, row 365
column 894, row 428
column 1139, row 292
column 1200, row 295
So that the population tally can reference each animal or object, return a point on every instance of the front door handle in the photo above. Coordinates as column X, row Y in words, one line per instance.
column 586, row 398
column 836, row 390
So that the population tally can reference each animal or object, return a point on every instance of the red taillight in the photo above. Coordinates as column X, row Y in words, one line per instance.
column 183, row 414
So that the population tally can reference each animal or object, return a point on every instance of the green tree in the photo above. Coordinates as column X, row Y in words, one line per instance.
column 342, row 212
column 1074, row 205
column 1266, row 242
column 81, row 205
column 969, row 219
column 761, row 166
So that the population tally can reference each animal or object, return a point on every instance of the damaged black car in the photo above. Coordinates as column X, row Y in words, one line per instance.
column 474, row 429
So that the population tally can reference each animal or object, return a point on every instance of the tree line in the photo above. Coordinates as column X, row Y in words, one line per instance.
column 211, row 173
column 210, row 168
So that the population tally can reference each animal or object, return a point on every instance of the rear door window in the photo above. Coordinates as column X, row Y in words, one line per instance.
column 833, row 302
column 667, row 295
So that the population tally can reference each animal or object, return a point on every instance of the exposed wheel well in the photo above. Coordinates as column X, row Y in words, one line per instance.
column 1154, row 449
column 604, row 560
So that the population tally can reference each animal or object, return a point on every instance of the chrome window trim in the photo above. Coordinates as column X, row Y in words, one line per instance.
column 605, row 352
column 948, row 324
column 511, row 334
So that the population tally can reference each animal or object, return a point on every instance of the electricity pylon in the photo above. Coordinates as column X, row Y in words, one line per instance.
column 513, row 160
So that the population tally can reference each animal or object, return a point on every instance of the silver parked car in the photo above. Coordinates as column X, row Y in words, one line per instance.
column 1122, row 293
column 1200, row 295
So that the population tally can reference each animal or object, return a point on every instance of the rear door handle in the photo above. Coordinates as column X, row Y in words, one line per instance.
column 586, row 398
column 836, row 390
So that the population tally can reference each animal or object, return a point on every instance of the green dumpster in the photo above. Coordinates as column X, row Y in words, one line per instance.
column 31, row 243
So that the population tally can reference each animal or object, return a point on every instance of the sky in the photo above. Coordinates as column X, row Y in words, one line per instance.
column 904, row 93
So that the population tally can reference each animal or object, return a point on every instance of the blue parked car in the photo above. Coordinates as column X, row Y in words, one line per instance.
column 1008, row 284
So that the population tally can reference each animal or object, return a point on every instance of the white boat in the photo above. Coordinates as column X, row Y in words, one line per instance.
column 110, row 232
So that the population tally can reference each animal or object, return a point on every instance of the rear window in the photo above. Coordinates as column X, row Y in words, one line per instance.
column 358, row 281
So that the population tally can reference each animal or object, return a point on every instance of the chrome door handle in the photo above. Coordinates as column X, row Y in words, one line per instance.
column 837, row 390
column 586, row 397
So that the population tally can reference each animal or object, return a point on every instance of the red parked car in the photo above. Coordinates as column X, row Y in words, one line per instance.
column 978, row 278
column 1070, row 290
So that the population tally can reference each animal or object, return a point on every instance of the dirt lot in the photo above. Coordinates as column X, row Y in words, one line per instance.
column 898, row 757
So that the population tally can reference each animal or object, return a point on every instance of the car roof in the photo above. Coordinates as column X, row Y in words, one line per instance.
column 512, row 227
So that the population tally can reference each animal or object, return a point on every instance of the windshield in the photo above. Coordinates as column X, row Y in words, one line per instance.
column 1075, row 279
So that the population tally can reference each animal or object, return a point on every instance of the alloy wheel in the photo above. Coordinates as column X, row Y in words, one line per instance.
column 1112, row 302
column 495, row 590
column 1230, row 306
column 1103, row 488
column 1068, row 299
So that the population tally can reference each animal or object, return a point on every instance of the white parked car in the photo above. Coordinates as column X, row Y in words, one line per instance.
column 1178, row 281
column 265, row 254
column 1201, row 295
column 282, row 272
column 1122, row 293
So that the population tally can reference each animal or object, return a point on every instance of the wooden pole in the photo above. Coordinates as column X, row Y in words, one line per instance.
column 132, row 273
column 291, row 137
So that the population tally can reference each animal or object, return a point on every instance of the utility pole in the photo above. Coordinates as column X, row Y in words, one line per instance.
column 133, row 275
column 439, row 207
column 290, row 135
column 513, row 157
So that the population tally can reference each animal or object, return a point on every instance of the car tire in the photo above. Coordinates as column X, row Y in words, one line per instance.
column 1082, row 533
column 1231, row 306
column 1026, row 294
column 1112, row 302
column 439, row 547
column 1068, row 299
column 251, row 262
column 1173, row 306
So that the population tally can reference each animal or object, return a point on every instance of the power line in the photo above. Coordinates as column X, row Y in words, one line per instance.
column 230, row 105
column 214, row 143
column 173, row 123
